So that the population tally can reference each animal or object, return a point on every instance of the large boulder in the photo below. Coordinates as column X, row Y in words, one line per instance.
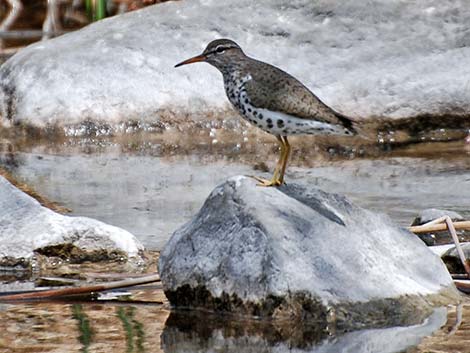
column 364, row 58
column 298, row 252
column 29, row 230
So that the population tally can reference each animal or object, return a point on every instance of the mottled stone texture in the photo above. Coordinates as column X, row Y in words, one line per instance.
column 298, row 252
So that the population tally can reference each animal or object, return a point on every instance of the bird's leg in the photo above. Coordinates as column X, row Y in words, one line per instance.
column 275, row 180
column 284, row 161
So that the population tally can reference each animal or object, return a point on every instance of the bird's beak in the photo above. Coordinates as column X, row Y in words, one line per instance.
column 192, row 60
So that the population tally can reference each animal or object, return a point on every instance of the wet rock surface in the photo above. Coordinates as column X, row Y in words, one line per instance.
column 298, row 252
column 30, row 234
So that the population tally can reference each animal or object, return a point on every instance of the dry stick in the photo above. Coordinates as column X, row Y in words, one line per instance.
column 464, row 286
column 457, row 245
column 80, row 290
column 425, row 228
column 458, row 320
column 16, row 7
column 51, row 23
column 436, row 225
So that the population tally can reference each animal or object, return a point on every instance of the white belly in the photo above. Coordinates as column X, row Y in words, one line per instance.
column 276, row 123
column 283, row 124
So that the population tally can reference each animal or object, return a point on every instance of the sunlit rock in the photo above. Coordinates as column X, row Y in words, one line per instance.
column 298, row 252
column 366, row 59
column 29, row 230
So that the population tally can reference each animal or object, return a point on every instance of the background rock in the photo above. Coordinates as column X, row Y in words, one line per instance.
column 435, row 238
column 431, row 214
column 364, row 58
column 28, row 229
column 299, row 252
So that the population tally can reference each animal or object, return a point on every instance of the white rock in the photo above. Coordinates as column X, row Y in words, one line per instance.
column 364, row 58
column 297, row 245
column 27, row 227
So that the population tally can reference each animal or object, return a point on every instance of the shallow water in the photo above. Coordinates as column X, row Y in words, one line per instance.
column 152, row 194
column 151, row 188
column 121, row 327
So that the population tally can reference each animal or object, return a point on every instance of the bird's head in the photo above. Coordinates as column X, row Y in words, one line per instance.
column 218, row 53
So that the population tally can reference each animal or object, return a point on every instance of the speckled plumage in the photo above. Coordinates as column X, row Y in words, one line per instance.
column 271, row 99
column 255, row 88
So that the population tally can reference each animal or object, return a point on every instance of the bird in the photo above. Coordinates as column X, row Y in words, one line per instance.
column 272, row 100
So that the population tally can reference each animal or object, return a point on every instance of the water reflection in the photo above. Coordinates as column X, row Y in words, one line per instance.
column 83, row 325
column 121, row 327
column 190, row 332
column 133, row 328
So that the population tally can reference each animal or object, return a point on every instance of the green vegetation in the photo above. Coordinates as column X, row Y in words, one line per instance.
column 134, row 329
column 83, row 326
column 95, row 9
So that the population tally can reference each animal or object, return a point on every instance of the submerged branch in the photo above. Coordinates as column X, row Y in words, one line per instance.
column 71, row 291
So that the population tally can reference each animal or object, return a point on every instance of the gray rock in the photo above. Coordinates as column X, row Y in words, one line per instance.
column 28, row 229
column 122, row 68
column 431, row 214
column 299, row 252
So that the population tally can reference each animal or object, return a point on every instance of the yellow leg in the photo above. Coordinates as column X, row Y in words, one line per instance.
column 286, row 157
column 276, row 179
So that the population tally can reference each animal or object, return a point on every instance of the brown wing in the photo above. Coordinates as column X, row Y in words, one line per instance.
column 276, row 90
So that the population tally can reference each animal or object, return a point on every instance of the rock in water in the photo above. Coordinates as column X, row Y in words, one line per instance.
column 298, row 252
column 430, row 214
column 28, row 229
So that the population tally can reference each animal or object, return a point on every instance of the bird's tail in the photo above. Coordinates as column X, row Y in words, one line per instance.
column 354, row 126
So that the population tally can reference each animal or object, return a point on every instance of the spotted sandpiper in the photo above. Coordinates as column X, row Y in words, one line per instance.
column 272, row 100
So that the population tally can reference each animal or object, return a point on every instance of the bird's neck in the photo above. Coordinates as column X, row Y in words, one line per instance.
column 236, row 65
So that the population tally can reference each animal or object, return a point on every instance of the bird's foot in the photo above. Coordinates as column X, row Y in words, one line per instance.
column 266, row 182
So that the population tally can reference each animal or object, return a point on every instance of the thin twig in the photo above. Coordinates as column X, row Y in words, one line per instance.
column 458, row 320
column 52, row 22
column 69, row 291
column 463, row 286
column 16, row 7
column 453, row 233
column 443, row 223
column 425, row 228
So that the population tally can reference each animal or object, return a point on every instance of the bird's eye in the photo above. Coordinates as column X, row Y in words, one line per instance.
column 220, row 50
